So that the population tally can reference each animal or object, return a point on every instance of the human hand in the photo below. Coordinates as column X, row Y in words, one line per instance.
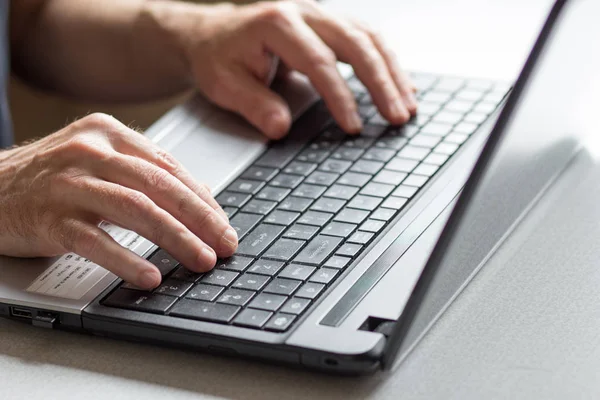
column 230, row 49
column 55, row 192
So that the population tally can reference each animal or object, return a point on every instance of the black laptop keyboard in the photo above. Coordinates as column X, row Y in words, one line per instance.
column 303, row 217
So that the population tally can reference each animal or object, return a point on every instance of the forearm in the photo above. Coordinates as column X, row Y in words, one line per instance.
column 113, row 50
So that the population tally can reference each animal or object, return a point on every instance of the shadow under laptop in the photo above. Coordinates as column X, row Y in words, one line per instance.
column 233, row 378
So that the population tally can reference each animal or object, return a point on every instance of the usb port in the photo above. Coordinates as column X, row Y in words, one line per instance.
column 18, row 312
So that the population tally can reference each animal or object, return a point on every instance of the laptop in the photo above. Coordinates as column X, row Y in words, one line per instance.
column 350, row 247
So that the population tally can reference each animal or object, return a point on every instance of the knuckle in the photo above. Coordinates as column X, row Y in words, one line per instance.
column 89, row 242
column 278, row 15
column 98, row 120
column 158, row 179
column 135, row 203
column 207, row 217
column 324, row 58
column 169, row 162
column 85, row 146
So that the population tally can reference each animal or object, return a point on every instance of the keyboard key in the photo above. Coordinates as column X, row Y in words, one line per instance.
column 436, row 159
column 405, row 191
column 471, row 95
column 235, row 297
column 184, row 274
column 309, row 191
column 232, row 199
column 295, row 305
column 415, row 180
column 423, row 82
column 436, row 97
column 315, row 218
column 351, row 216
column 282, row 286
column 262, row 207
column 140, row 301
column 326, row 204
column 251, row 282
column 467, row 128
column 234, row 263
column 245, row 186
column 302, row 232
column 405, row 131
column 322, row 178
column 383, row 214
column 402, row 165
column 268, row 301
column 280, row 217
column 348, row 250
column 244, row 222
column 427, row 141
column 366, row 110
column 336, row 166
column 310, row 290
column 252, row 318
column 479, row 84
column 204, row 311
column 339, row 229
column 204, row 292
column 347, row 153
column 476, row 118
column 413, row 153
column 371, row 225
column 318, row 249
column 392, row 142
column 354, row 179
column 297, row 204
column 259, row 239
column 359, row 142
column 163, row 261
column 284, row 249
column 286, row 181
column 436, row 129
column 390, row 177
column 456, row 138
column 378, row 119
column 378, row 154
column 230, row 211
column 360, row 237
column 259, row 173
column 426, row 169
column 324, row 275
column 296, row 271
column 372, row 130
column 341, row 192
column 313, row 156
column 338, row 262
column 278, row 155
column 367, row 203
column 172, row 287
column 273, row 193
column 280, row 322
column 367, row 167
column 219, row 277
column 459, row 106
column 300, row 168
column 265, row 267
column 394, row 203
column 377, row 189
column 448, row 117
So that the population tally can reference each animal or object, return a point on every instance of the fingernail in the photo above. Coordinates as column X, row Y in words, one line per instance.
column 399, row 112
column 354, row 122
column 230, row 239
column 149, row 279
column 207, row 258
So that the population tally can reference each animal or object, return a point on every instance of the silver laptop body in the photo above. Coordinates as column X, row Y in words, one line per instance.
column 385, row 300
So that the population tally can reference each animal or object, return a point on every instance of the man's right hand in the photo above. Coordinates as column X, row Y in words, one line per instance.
column 55, row 192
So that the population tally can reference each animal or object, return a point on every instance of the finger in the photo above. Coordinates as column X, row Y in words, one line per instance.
column 171, row 195
column 134, row 144
column 91, row 242
column 403, row 83
column 133, row 210
column 355, row 47
column 287, row 35
column 241, row 92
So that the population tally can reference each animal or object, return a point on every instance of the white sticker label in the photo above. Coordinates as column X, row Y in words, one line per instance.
column 72, row 276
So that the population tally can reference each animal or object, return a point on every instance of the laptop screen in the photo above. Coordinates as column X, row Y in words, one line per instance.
column 537, row 134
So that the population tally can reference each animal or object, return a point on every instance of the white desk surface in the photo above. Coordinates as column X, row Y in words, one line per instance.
column 527, row 327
